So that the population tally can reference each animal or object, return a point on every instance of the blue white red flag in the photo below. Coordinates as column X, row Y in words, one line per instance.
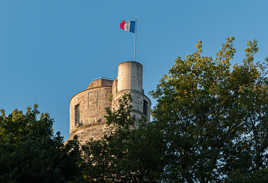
column 128, row 26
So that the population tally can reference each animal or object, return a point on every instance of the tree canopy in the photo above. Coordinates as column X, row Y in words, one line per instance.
column 29, row 152
column 214, row 116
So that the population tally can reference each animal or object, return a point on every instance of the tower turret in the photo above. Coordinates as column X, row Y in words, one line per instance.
column 129, row 80
column 130, row 76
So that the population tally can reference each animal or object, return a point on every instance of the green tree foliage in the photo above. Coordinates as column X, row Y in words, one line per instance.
column 125, row 154
column 29, row 152
column 214, row 117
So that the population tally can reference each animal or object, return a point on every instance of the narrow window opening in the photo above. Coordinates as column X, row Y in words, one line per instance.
column 145, row 107
column 77, row 115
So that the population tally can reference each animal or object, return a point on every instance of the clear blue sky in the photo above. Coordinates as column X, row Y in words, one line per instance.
column 52, row 49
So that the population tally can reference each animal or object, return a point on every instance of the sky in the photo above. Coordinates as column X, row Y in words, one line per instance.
column 52, row 49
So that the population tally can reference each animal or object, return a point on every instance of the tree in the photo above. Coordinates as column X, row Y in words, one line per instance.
column 29, row 152
column 214, row 117
column 125, row 154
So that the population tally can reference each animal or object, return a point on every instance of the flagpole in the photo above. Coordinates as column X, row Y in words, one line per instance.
column 135, row 38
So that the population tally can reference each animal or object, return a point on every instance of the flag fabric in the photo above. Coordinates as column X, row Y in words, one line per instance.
column 128, row 26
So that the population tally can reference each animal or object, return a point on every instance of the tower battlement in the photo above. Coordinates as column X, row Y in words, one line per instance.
column 100, row 83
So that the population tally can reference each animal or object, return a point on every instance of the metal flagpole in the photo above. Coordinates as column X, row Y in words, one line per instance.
column 135, row 38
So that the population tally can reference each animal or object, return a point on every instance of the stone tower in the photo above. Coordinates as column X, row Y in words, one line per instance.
column 87, row 108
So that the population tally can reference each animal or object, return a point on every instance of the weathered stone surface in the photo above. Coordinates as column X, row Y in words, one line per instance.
column 86, row 133
column 92, row 105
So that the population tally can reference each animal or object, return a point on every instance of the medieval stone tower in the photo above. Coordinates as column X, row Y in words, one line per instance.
column 87, row 108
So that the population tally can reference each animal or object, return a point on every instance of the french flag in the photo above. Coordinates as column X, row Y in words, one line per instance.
column 128, row 26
